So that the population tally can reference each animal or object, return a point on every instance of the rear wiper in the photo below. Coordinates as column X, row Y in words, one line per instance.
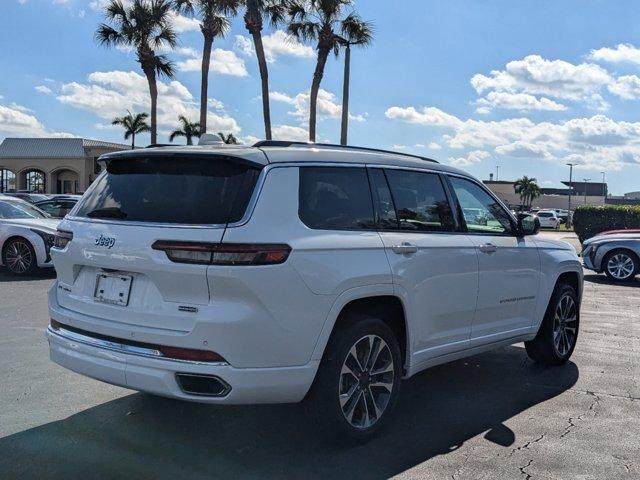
column 109, row 212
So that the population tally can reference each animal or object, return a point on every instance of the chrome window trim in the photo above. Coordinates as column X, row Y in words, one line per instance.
column 121, row 347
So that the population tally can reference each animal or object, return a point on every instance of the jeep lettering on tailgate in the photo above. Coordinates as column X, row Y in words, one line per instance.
column 103, row 241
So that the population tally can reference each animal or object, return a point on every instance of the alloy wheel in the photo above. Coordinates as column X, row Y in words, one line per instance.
column 621, row 266
column 366, row 381
column 18, row 257
column 565, row 325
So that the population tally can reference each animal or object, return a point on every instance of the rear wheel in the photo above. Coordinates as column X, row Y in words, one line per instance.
column 558, row 333
column 19, row 257
column 358, row 380
column 620, row 265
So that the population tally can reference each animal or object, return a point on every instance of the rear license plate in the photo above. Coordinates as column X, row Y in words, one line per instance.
column 113, row 288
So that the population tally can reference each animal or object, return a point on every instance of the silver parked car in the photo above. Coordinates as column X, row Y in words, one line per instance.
column 617, row 255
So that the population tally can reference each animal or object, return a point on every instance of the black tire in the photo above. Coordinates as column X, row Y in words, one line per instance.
column 19, row 257
column 551, row 348
column 323, row 402
column 633, row 258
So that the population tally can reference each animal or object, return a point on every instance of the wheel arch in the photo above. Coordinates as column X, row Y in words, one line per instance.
column 382, row 303
column 621, row 248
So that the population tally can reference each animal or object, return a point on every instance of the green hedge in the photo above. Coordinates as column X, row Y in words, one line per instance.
column 589, row 221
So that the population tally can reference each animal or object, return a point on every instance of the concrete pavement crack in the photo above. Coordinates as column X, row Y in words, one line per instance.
column 524, row 472
column 527, row 445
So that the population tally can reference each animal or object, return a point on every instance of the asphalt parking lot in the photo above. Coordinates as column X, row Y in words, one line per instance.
column 495, row 415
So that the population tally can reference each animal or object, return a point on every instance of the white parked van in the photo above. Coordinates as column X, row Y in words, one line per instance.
column 284, row 271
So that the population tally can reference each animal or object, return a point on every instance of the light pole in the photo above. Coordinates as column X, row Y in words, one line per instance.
column 604, row 188
column 569, row 219
column 497, row 170
column 585, row 189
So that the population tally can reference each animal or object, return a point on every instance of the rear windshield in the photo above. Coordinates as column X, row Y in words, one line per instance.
column 545, row 214
column 185, row 190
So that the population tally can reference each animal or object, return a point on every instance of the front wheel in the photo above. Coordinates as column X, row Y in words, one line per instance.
column 19, row 257
column 558, row 333
column 620, row 265
column 358, row 380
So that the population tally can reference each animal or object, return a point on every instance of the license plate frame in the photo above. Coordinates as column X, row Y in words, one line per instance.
column 113, row 288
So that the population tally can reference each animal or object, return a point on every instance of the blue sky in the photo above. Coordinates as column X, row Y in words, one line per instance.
column 526, row 85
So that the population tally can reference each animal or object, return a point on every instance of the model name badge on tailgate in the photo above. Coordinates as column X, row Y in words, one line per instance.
column 103, row 241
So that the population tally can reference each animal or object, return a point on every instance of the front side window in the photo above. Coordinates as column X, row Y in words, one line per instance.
column 10, row 209
column 420, row 200
column 481, row 212
column 335, row 198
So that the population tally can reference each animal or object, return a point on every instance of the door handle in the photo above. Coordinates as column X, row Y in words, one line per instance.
column 404, row 248
column 488, row 248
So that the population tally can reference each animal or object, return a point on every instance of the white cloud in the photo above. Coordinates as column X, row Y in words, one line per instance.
column 476, row 156
column 535, row 75
column 327, row 105
column 397, row 146
column 435, row 146
column 110, row 94
column 626, row 87
column 224, row 62
column 596, row 142
column 43, row 89
column 18, row 120
column 516, row 101
column 620, row 53
column 275, row 45
column 288, row 132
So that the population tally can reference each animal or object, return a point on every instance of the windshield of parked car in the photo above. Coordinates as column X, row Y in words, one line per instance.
column 190, row 190
column 9, row 209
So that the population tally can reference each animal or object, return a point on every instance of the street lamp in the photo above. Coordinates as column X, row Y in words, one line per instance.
column 604, row 188
column 571, row 165
column 497, row 170
column 585, row 189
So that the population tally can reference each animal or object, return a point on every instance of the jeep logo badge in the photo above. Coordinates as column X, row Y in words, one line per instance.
column 103, row 241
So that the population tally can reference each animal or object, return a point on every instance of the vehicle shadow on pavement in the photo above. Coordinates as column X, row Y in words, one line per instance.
column 141, row 436
column 43, row 274
column 604, row 280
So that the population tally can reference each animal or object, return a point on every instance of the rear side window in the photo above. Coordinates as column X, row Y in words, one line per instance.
column 335, row 198
column 420, row 200
column 175, row 190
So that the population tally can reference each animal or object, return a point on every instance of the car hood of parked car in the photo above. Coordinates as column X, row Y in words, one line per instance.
column 611, row 238
column 50, row 224
column 553, row 244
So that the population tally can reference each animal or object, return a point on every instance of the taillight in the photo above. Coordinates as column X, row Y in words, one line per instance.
column 62, row 239
column 223, row 253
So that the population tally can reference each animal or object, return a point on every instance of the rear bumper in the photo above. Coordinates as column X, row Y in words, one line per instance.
column 158, row 376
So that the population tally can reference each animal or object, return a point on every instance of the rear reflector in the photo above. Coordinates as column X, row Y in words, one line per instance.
column 189, row 354
column 223, row 253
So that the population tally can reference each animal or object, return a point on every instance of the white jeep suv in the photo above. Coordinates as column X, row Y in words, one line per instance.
column 284, row 271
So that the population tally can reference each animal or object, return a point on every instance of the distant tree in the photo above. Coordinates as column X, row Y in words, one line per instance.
column 215, row 23
column 257, row 11
column 318, row 21
column 145, row 26
column 187, row 129
column 528, row 190
column 355, row 31
column 133, row 123
column 229, row 139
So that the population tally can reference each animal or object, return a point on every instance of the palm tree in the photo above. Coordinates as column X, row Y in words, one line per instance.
column 256, row 11
column 318, row 20
column 528, row 190
column 144, row 26
column 229, row 139
column 355, row 31
column 187, row 129
column 133, row 124
column 215, row 23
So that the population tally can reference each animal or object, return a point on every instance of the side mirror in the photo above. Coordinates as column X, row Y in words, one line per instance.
column 528, row 224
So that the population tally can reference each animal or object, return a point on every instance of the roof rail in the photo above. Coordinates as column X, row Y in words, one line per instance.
column 286, row 143
column 156, row 145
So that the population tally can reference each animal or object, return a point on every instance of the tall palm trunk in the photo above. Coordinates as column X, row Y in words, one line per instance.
column 204, row 83
column 264, row 77
column 153, row 91
column 133, row 141
column 323, row 53
column 345, row 95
